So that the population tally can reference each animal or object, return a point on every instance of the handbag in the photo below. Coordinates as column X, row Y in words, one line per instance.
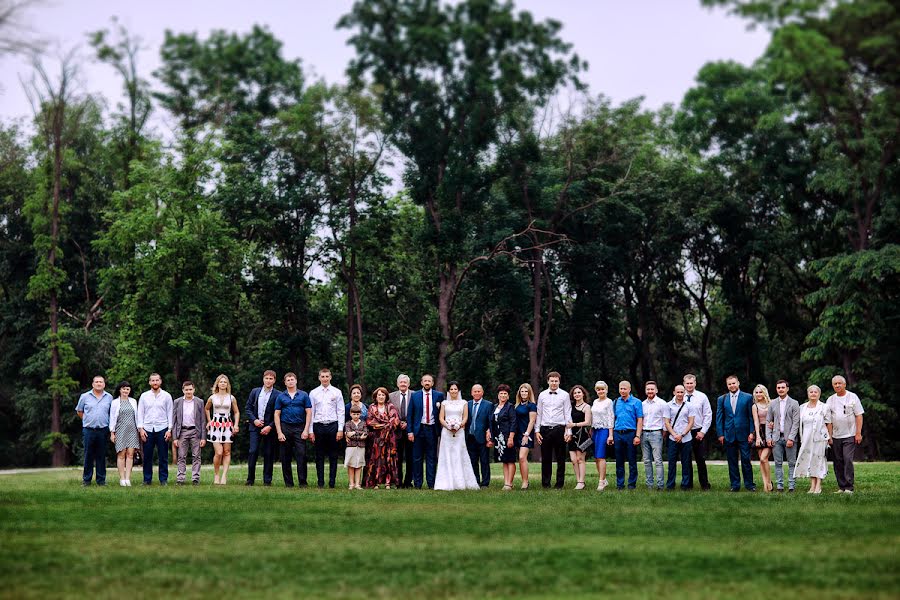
column 584, row 441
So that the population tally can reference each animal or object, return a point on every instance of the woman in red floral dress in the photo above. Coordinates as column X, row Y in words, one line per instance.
column 381, row 463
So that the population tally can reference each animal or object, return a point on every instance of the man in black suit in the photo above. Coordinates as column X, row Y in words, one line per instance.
column 260, row 411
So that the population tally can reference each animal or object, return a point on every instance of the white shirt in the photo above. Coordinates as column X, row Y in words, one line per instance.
column 553, row 408
column 327, row 405
column 427, row 407
column 262, row 403
column 602, row 416
column 476, row 404
column 154, row 411
column 187, row 413
column 782, row 403
column 681, row 423
column 841, row 413
column 702, row 410
column 734, row 399
column 654, row 414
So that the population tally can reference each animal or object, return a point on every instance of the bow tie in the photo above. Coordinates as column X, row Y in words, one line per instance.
column 552, row 392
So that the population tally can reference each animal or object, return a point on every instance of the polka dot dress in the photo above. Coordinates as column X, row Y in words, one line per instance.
column 220, row 428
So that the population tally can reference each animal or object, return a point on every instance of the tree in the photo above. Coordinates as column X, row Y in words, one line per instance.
column 448, row 77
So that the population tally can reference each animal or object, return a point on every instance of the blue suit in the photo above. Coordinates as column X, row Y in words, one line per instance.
column 268, row 442
column 736, row 426
column 425, row 437
column 476, row 440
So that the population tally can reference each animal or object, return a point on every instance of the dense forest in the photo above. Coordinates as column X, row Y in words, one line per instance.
column 438, row 212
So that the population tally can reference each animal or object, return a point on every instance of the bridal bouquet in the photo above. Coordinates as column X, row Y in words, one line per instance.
column 453, row 425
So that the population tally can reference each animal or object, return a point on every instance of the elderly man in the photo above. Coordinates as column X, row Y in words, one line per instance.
column 478, row 433
column 844, row 420
column 401, row 399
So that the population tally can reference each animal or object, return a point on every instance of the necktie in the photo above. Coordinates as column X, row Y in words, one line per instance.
column 689, row 397
column 403, row 406
column 428, row 408
column 734, row 403
column 474, row 412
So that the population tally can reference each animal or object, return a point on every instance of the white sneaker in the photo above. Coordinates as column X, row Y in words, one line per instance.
column 122, row 483
column 127, row 483
column 839, row 492
column 848, row 492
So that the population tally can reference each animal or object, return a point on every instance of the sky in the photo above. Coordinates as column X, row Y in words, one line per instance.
column 649, row 48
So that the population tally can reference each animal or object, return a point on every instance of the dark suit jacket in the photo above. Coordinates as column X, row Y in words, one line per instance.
column 505, row 424
column 736, row 425
column 417, row 408
column 251, row 410
column 482, row 420
column 199, row 416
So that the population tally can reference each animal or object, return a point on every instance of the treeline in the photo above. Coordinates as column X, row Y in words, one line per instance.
column 753, row 229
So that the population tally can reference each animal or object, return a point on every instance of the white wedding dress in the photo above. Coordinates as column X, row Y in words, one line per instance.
column 454, row 469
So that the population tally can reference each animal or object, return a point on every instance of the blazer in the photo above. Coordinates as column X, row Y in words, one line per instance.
column 417, row 408
column 736, row 425
column 251, row 410
column 482, row 420
column 114, row 412
column 505, row 424
column 791, row 419
column 199, row 416
column 395, row 399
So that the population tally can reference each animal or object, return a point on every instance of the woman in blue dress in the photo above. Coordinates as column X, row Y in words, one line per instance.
column 504, row 426
column 526, row 415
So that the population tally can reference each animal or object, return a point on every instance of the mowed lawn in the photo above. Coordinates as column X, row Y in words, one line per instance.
column 60, row 540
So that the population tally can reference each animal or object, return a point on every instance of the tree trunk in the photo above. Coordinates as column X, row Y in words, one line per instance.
column 59, row 449
column 446, row 291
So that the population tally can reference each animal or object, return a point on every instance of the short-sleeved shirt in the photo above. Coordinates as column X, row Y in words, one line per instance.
column 523, row 415
column 680, row 424
column 96, row 410
column 841, row 413
column 628, row 411
column 293, row 410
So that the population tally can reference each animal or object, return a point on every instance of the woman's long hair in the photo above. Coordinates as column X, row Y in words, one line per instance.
column 530, row 389
column 215, row 387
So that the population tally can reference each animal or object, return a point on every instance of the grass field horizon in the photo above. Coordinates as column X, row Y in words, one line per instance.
column 62, row 540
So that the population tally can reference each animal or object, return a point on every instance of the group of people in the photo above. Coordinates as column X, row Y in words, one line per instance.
column 406, row 438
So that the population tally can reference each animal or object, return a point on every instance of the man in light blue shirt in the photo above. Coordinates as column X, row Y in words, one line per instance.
column 93, row 408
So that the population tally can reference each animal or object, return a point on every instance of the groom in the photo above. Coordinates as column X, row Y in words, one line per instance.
column 422, row 425
column 478, row 432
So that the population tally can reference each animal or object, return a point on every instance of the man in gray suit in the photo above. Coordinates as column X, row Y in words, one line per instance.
column 188, row 430
column 400, row 399
column 784, row 422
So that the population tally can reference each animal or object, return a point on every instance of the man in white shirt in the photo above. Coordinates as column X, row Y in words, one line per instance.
column 655, row 410
column 702, row 422
column 554, row 410
column 844, row 420
column 154, row 422
column 327, row 426
column 679, row 422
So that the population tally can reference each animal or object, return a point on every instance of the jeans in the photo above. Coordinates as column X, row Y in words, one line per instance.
column 844, row 449
column 326, row 447
column 779, row 449
column 625, row 448
column 157, row 440
column 189, row 439
column 732, row 450
column 680, row 451
column 651, row 450
column 94, row 453
column 268, row 443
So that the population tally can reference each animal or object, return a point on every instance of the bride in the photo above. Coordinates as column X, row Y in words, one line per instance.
column 454, row 470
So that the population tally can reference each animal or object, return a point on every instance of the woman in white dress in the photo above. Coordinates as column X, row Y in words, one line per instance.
column 454, row 469
column 813, row 441
column 223, row 423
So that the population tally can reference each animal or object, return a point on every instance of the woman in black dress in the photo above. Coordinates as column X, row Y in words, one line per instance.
column 503, row 433
column 578, row 433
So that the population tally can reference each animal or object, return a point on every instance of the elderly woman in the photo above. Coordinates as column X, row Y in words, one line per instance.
column 503, row 432
column 356, row 395
column 761, row 403
column 814, row 439
column 381, row 464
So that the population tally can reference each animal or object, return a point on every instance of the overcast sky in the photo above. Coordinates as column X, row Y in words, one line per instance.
column 650, row 48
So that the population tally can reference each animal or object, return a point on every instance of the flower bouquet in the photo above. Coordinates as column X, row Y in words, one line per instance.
column 453, row 425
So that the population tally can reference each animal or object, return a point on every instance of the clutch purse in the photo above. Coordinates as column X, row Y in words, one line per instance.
column 585, row 441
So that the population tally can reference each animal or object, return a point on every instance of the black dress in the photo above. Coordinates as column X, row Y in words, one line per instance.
column 503, row 426
column 579, row 434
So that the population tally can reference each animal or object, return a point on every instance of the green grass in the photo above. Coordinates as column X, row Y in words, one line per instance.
column 60, row 540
